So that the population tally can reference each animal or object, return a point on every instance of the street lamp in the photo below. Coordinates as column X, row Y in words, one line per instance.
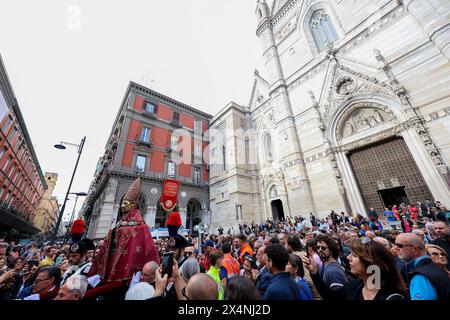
column 78, row 194
column 62, row 146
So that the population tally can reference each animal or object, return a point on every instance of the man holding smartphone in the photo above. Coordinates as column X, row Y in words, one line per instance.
column 178, row 246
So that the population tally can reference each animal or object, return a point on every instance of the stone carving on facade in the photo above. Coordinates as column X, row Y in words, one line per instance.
column 111, row 188
column 286, row 30
column 363, row 119
column 345, row 86
column 345, row 83
column 433, row 151
column 279, row 16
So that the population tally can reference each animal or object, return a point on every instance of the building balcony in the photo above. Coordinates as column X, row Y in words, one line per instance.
column 14, row 219
column 144, row 143
column 149, row 114
column 176, row 123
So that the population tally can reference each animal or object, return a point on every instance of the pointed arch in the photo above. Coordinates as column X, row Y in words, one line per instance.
column 328, row 26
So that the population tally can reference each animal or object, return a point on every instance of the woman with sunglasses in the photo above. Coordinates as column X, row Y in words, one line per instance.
column 439, row 256
column 376, row 275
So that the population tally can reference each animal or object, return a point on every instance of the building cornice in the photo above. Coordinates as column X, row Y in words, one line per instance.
column 173, row 102
column 279, row 16
column 285, row 10
column 228, row 107
column 4, row 78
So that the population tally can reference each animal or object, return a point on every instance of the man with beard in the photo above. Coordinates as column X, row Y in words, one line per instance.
column 332, row 273
column 264, row 276
column 426, row 280
column 442, row 230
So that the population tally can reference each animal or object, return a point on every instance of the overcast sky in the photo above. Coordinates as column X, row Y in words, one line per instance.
column 70, row 63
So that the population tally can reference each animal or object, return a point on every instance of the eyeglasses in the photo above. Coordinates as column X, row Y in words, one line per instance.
column 188, row 253
column 37, row 281
column 183, row 292
column 400, row 245
column 321, row 248
column 440, row 254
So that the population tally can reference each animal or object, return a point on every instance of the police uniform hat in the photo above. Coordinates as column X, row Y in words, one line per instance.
column 89, row 244
column 79, row 247
column 178, row 241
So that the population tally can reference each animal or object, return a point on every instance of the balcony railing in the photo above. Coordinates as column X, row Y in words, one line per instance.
column 149, row 114
column 142, row 142
column 13, row 210
column 176, row 123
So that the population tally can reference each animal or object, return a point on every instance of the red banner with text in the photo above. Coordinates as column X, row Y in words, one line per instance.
column 169, row 196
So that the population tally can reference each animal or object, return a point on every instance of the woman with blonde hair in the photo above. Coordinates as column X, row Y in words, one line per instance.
column 438, row 255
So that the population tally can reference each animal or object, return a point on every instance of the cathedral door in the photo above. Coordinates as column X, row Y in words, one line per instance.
column 387, row 172
column 277, row 209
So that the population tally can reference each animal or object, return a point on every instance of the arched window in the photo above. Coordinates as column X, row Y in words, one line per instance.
column 268, row 146
column 322, row 30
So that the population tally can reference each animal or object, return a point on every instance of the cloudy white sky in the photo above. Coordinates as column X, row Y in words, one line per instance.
column 70, row 63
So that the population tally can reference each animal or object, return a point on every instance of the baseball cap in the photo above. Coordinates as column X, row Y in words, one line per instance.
column 208, row 243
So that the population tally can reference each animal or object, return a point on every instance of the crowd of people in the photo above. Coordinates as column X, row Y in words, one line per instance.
column 336, row 258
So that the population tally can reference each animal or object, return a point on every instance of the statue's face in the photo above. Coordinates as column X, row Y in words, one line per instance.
column 127, row 205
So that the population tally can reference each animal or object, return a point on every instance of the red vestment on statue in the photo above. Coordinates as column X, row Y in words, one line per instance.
column 133, row 247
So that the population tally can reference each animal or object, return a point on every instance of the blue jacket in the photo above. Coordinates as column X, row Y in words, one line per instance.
column 427, row 281
column 420, row 287
column 283, row 287
column 263, row 280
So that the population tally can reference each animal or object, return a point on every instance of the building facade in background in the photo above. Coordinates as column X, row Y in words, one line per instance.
column 154, row 137
column 354, row 112
column 22, row 183
column 48, row 209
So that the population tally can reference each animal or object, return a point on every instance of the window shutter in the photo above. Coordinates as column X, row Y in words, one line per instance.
column 152, row 134
column 156, row 109
column 144, row 105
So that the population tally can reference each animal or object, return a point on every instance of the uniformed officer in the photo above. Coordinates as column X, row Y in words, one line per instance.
column 177, row 244
column 78, row 259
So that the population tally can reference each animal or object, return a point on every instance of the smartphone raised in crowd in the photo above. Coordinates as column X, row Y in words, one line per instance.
column 167, row 263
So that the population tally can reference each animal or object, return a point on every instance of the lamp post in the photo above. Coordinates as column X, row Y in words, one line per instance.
column 62, row 146
column 78, row 194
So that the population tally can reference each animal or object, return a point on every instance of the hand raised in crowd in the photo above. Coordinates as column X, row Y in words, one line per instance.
column 160, row 282
column 310, row 264
column 175, row 272
column 7, row 275
column 26, row 273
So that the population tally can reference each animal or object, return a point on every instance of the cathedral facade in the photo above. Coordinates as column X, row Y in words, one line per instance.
column 353, row 112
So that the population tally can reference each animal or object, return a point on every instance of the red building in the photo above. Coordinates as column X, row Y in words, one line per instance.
column 22, row 183
column 155, row 137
